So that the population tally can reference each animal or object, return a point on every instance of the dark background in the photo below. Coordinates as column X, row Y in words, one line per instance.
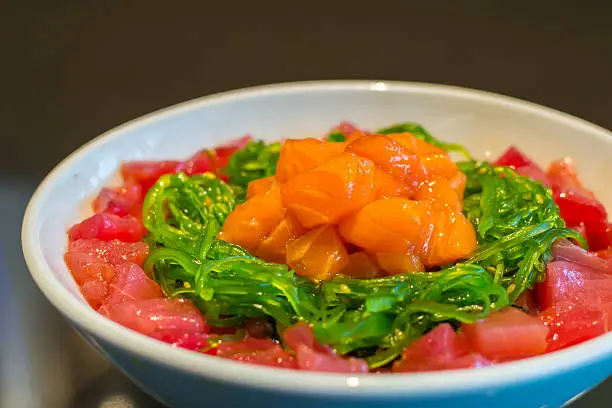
column 70, row 70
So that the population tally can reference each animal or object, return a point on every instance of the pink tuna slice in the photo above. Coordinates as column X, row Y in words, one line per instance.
column 301, row 333
column 95, row 292
column 131, row 283
column 534, row 173
column 574, row 283
column 107, row 227
column 159, row 315
column 273, row 357
column 473, row 360
column 312, row 360
column 114, row 252
column 564, row 250
column 188, row 340
column 247, row 344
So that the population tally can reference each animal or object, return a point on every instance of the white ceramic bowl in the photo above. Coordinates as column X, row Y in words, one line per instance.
column 484, row 122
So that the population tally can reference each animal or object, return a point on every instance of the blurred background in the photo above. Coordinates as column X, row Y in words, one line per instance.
column 70, row 70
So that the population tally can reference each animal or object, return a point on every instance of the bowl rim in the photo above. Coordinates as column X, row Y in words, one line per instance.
column 198, row 364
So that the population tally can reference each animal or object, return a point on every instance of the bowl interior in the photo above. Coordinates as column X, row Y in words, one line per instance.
column 484, row 123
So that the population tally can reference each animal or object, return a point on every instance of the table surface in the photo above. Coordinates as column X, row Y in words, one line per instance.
column 71, row 70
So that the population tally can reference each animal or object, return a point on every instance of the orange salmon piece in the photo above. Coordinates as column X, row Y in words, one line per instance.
column 397, row 263
column 252, row 221
column 262, row 185
column 390, row 156
column 414, row 145
column 274, row 247
column 300, row 155
column 458, row 182
column 356, row 134
column 319, row 254
column 360, row 266
column 453, row 239
column 330, row 191
column 393, row 225
column 439, row 165
column 387, row 186
column 439, row 191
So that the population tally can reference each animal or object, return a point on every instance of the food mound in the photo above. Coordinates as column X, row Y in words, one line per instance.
column 356, row 252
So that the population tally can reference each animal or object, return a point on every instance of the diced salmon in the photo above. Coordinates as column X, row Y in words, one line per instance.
column 254, row 220
column 414, row 145
column 439, row 191
column 258, row 186
column 453, row 238
column 330, row 191
column 390, row 156
column 397, row 263
column 318, row 254
column 458, row 183
column 274, row 247
column 360, row 266
column 298, row 156
column 387, row 186
column 439, row 165
column 354, row 135
column 395, row 225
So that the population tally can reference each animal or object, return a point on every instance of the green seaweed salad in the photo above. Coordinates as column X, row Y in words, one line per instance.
column 515, row 219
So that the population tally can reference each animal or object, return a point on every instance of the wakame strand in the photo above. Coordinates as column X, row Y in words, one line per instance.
column 254, row 161
column 178, row 208
column 381, row 311
column 516, row 221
